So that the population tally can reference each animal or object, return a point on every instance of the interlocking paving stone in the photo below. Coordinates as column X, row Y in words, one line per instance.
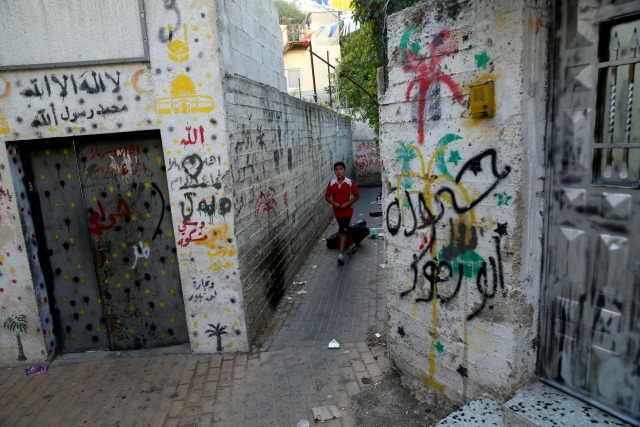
column 278, row 386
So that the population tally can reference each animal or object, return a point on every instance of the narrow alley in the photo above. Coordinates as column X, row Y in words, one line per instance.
column 289, row 371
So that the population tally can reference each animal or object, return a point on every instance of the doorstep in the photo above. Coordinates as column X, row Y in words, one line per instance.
column 535, row 405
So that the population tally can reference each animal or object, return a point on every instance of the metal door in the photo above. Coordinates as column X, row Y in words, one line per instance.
column 590, row 314
column 108, row 229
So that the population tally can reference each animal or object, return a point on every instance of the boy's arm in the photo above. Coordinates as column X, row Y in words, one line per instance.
column 351, row 202
column 331, row 201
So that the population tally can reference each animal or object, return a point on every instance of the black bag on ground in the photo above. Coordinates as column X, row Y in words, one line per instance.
column 359, row 231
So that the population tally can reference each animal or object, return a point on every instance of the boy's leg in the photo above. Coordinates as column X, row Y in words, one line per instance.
column 343, row 229
column 343, row 242
column 351, row 248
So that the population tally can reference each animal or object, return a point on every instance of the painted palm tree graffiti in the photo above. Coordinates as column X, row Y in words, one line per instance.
column 217, row 331
column 429, row 72
column 18, row 323
column 405, row 153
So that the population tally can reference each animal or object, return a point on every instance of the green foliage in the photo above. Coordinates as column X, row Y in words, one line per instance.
column 19, row 322
column 375, row 12
column 288, row 13
column 360, row 63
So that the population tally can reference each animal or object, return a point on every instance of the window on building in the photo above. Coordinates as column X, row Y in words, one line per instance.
column 616, row 154
column 293, row 79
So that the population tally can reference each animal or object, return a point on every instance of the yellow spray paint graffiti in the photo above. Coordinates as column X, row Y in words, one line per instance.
column 179, row 49
column 184, row 99
column 4, row 126
column 440, row 205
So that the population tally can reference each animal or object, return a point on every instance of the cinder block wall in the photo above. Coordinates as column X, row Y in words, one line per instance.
column 250, row 42
column 463, row 196
column 282, row 151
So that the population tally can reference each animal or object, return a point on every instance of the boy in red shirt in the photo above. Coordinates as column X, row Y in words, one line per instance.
column 339, row 195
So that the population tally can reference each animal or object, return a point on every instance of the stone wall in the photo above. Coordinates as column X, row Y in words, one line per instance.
column 282, row 151
column 462, row 196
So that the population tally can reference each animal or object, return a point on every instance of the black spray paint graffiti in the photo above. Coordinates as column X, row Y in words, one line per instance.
column 164, row 35
column 205, row 290
column 427, row 217
column 438, row 272
column 204, row 208
column 217, row 331
column 88, row 82
column 193, row 166
column 43, row 118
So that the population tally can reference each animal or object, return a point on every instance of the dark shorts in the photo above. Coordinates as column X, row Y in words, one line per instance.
column 343, row 224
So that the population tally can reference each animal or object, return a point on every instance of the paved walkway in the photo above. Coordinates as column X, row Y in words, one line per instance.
column 291, row 371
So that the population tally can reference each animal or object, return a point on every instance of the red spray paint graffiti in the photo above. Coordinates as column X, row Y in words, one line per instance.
column 428, row 72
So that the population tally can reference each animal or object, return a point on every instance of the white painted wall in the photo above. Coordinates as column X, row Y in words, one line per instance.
column 474, row 186
column 205, row 45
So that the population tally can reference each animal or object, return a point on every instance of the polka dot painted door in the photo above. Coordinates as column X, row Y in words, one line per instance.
column 108, row 230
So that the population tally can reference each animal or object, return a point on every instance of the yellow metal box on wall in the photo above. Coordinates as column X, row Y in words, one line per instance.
column 482, row 100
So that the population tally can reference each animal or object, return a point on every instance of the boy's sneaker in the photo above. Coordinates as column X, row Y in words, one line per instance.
column 340, row 259
column 351, row 249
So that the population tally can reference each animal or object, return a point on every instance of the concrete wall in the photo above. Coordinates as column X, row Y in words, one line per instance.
column 366, row 156
column 282, row 151
column 187, row 67
column 463, row 196
column 250, row 41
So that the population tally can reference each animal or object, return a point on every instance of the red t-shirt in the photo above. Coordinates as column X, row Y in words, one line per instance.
column 341, row 193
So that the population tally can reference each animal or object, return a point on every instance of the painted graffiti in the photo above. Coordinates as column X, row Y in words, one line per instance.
column 196, row 132
column 44, row 116
column 140, row 251
column 196, row 172
column 437, row 273
column 441, row 195
column 89, row 82
column 366, row 159
column 217, row 331
column 204, row 290
column 205, row 208
column 170, row 5
column 184, row 99
column 97, row 219
column 266, row 203
column 435, row 204
column 430, row 73
column 191, row 231
column 17, row 324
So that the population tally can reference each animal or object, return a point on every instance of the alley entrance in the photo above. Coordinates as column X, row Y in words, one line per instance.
column 590, row 319
column 104, row 229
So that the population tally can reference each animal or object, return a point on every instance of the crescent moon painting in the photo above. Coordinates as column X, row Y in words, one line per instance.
column 5, row 87
column 136, row 84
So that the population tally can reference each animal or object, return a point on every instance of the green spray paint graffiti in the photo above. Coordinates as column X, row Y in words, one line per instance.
column 440, row 149
column 18, row 323
column 482, row 59
column 454, row 157
column 503, row 199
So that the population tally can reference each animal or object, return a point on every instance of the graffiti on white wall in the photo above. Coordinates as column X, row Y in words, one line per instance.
column 446, row 200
